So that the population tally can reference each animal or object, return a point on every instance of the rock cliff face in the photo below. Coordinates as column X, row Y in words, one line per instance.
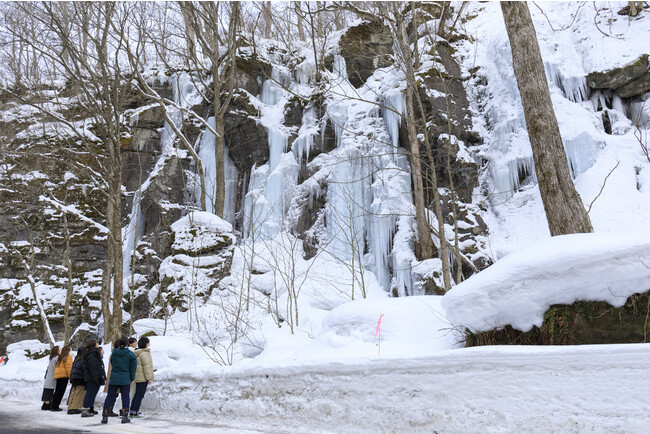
column 366, row 47
column 42, row 172
column 627, row 81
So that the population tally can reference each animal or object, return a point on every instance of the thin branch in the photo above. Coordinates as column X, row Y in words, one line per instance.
column 602, row 187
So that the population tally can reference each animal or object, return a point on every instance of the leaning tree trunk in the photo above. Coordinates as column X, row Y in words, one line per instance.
column 564, row 209
column 219, row 195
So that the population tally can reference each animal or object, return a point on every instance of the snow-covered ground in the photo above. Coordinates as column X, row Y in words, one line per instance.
column 598, row 389
column 320, row 360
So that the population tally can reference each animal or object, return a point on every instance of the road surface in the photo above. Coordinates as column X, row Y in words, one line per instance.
column 27, row 418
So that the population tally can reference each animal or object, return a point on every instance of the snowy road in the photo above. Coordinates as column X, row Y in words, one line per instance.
column 596, row 389
column 25, row 418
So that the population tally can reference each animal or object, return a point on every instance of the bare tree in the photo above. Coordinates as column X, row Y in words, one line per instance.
column 218, row 43
column 95, row 72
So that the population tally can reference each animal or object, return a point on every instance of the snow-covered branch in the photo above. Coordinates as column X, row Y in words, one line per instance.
column 71, row 209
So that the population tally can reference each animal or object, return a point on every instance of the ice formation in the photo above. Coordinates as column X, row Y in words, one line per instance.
column 271, row 185
column 369, row 192
column 132, row 233
column 509, row 153
column 207, row 156
column 575, row 89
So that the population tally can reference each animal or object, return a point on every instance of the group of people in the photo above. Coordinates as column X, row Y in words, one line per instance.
column 130, row 369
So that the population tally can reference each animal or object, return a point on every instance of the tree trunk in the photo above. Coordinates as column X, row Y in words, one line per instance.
column 299, row 20
column 218, row 196
column 107, row 272
column 564, row 209
column 115, row 240
column 190, row 35
column 426, row 249
column 70, row 287
column 219, row 158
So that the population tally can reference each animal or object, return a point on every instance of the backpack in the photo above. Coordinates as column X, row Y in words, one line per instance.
column 77, row 371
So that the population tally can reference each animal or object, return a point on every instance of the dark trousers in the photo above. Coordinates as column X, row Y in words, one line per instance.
column 112, row 395
column 140, row 389
column 91, row 393
column 59, row 391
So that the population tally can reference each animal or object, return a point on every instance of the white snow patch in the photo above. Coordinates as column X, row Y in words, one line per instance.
column 518, row 289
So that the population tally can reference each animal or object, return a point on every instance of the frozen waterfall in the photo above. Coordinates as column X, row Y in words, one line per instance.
column 208, row 161
column 132, row 234
column 370, row 190
column 271, row 185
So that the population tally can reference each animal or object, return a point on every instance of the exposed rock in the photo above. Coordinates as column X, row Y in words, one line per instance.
column 310, row 210
column 202, row 257
column 293, row 118
column 365, row 48
column 161, row 205
column 618, row 77
column 151, row 119
column 464, row 170
column 447, row 109
column 249, row 72
column 245, row 138
column 584, row 322
column 635, row 88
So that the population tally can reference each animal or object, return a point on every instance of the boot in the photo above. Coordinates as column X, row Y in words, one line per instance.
column 125, row 416
column 105, row 416
column 93, row 411
column 86, row 412
column 45, row 406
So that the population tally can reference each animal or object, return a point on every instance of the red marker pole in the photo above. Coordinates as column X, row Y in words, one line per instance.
column 378, row 332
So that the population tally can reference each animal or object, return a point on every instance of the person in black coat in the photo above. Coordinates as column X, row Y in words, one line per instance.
column 94, row 376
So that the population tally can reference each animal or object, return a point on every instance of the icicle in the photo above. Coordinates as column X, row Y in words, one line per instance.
column 345, row 215
column 305, row 72
column 244, row 193
column 581, row 153
column 132, row 234
column 231, row 177
column 393, row 110
column 640, row 114
column 617, row 104
column 271, row 185
column 340, row 68
column 510, row 175
column 305, row 140
column 207, row 156
column 575, row 89
column 338, row 114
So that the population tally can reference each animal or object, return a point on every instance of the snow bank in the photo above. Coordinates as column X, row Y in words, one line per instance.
column 410, row 326
column 486, row 389
column 519, row 289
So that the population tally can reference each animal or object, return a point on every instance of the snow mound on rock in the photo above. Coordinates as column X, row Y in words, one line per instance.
column 519, row 289
column 201, row 231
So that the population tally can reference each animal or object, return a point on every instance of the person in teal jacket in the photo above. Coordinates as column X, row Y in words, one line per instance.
column 124, row 365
